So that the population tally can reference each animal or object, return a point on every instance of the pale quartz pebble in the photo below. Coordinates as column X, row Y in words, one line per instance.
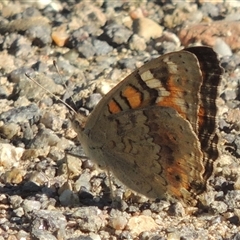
column 10, row 155
column 138, row 224
column 222, row 48
column 147, row 28
column 118, row 223
column 15, row 176
column 174, row 236
column 9, row 130
column 72, row 166
column 31, row 205
column 237, row 184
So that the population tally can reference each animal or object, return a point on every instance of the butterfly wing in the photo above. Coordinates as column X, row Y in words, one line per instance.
column 171, row 80
column 155, row 153
column 212, row 75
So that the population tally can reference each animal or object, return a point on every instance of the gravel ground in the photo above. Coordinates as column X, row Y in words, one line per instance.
column 96, row 44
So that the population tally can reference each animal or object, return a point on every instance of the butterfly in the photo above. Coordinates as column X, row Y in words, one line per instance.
column 156, row 130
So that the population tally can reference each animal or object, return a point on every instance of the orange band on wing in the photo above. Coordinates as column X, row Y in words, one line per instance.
column 133, row 96
column 170, row 101
column 113, row 107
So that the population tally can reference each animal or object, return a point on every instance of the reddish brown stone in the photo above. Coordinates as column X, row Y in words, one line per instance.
column 207, row 33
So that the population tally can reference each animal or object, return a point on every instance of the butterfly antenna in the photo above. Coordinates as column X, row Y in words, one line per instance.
column 45, row 89
column 58, row 71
